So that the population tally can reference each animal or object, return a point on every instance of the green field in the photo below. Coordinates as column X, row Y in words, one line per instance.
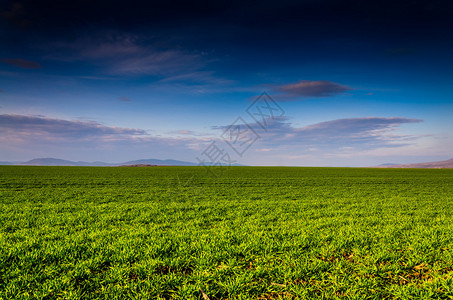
column 253, row 233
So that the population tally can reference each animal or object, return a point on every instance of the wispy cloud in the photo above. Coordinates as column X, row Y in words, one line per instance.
column 155, row 62
column 24, row 137
column 125, row 99
column 310, row 89
column 197, row 83
column 197, row 77
column 368, row 132
column 21, row 63
column 183, row 132
column 21, row 127
column 49, row 133
column 121, row 54
column 336, row 135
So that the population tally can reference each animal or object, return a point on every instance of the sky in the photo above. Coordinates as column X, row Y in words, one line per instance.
column 291, row 83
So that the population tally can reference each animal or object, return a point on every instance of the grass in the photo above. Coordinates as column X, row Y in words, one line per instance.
column 253, row 233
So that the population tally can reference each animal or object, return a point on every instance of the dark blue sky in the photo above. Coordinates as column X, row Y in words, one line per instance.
column 360, row 82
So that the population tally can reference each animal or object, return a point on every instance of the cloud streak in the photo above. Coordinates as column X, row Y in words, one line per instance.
column 39, row 130
column 335, row 137
column 350, row 134
column 120, row 54
column 33, row 136
column 42, row 128
column 21, row 63
column 310, row 89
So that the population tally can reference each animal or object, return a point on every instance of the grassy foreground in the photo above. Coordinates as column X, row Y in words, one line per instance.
column 254, row 233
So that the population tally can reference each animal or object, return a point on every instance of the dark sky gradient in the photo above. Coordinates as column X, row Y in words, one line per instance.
column 163, row 68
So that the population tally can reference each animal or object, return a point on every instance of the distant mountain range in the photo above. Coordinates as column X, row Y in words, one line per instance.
column 62, row 162
column 445, row 164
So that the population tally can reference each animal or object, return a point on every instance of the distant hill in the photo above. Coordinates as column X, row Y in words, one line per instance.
column 62, row 162
column 140, row 165
column 387, row 165
column 445, row 164
column 159, row 162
